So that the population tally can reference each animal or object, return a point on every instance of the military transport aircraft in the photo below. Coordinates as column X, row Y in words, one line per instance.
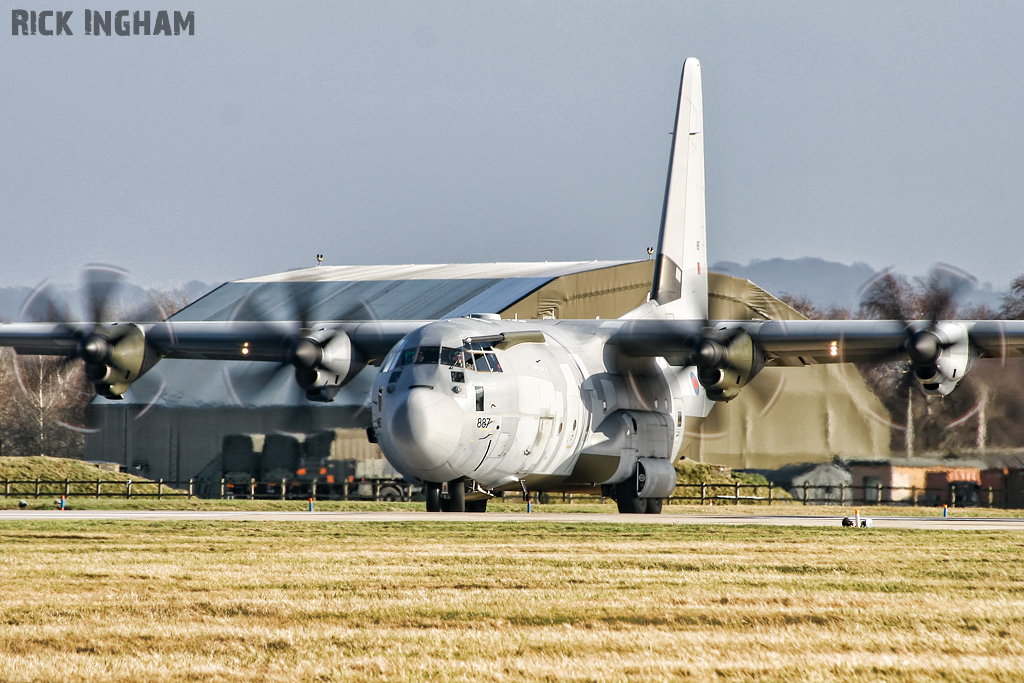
column 486, row 405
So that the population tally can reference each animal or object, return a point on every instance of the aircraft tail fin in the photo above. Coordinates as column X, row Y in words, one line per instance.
column 680, row 286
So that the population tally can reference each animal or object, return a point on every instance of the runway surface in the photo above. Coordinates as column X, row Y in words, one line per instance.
column 964, row 523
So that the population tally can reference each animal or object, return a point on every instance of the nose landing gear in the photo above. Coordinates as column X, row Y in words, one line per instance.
column 433, row 497
column 455, row 501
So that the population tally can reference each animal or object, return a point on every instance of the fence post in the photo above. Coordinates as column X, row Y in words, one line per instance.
column 313, row 490
column 703, row 492
column 191, row 487
column 99, row 485
column 223, row 488
column 771, row 492
column 878, row 493
column 67, row 487
column 7, row 488
column 842, row 494
column 375, row 489
column 805, row 493
column 252, row 488
column 952, row 496
column 736, row 493
column 990, row 496
column 344, row 490
column 37, row 487
column 913, row 494
column 128, row 489
column 284, row 488
column 160, row 488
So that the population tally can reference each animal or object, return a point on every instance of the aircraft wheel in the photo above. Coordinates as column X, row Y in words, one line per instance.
column 654, row 506
column 456, row 496
column 626, row 499
column 433, row 497
column 476, row 505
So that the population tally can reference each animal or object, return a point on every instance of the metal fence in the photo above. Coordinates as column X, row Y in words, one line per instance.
column 225, row 489
column 704, row 493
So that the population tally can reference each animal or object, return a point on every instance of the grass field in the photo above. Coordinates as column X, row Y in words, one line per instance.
column 119, row 601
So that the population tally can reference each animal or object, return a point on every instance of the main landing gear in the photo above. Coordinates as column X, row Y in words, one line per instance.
column 629, row 502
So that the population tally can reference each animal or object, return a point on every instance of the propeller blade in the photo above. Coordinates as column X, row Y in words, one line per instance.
column 42, row 307
column 101, row 283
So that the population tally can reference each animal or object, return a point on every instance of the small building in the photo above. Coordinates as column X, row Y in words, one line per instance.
column 826, row 483
column 917, row 481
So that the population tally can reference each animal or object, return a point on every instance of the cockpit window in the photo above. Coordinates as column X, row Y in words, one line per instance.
column 394, row 356
column 427, row 355
column 452, row 357
column 485, row 362
column 423, row 355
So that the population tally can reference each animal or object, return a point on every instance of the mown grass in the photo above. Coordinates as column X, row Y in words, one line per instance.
column 233, row 601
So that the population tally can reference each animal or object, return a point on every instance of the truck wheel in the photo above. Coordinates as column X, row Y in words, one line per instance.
column 433, row 497
column 389, row 494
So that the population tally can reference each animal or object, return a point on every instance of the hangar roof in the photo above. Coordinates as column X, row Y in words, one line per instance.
column 409, row 292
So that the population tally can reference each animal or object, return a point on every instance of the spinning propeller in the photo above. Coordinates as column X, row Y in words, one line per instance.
column 321, row 358
column 726, row 360
column 114, row 354
column 939, row 352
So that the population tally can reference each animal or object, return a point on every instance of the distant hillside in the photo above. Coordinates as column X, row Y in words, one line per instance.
column 825, row 283
column 129, row 297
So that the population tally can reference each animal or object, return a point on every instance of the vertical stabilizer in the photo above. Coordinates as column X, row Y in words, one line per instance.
column 680, row 284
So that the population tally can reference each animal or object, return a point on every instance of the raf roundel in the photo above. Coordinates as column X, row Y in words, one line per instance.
column 696, row 384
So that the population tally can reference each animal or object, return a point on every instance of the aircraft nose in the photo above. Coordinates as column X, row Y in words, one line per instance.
column 425, row 429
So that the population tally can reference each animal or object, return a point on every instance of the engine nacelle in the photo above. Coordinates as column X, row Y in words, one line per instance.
column 955, row 357
column 325, row 360
column 726, row 365
column 115, row 356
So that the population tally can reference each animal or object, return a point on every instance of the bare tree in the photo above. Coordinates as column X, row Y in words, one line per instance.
column 1013, row 304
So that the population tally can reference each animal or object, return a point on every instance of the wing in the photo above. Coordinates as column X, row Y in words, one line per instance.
column 805, row 342
column 325, row 355
column 729, row 353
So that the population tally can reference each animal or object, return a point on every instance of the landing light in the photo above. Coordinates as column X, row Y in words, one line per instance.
column 833, row 349
column 245, row 349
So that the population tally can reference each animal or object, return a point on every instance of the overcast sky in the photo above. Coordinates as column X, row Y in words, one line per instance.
column 430, row 132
